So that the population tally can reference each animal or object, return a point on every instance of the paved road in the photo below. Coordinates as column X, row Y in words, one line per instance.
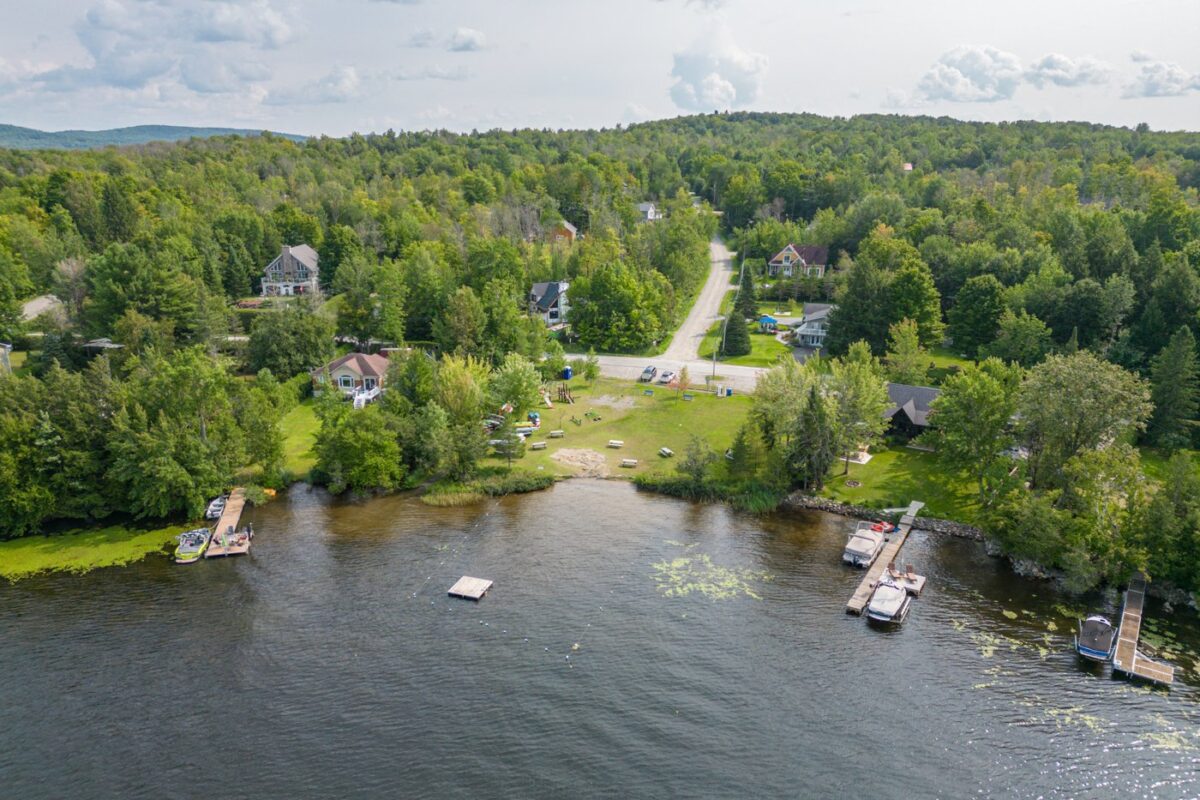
column 685, row 347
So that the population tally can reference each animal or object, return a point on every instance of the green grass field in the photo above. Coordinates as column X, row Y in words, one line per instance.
column 898, row 475
column 765, row 349
column 81, row 551
column 19, row 361
column 648, row 423
column 300, row 427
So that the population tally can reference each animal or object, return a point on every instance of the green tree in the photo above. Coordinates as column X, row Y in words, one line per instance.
column 696, row 461
column 118, row 212
column 747, row 301
column 516, row 382
column 1022, row 339
column 976, row 315
column 906, row 361
column 862, row 311
column 357, row 451
column 509, row 444
column 1175, row 391
column 860, row 398
column 737, row 337
column 1072, row 403
column 813, row 444
column 290, row 340
column 463, row 327
column 914, row 296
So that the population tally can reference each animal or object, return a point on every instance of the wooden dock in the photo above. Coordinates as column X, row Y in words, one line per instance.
column 226, row 539
column 470, row 588
column 862, row 595
column 1126, row 658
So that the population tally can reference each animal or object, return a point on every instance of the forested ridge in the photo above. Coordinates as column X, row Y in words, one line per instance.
column 1036, row 244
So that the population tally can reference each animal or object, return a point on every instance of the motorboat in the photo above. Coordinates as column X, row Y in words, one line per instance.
column 1097, row 638
column 216, row 508
column 889, row 603
column 192, row 545
column 864, row 545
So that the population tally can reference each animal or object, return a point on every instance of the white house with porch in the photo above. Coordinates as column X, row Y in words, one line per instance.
column 810, row 331
column 358, row 376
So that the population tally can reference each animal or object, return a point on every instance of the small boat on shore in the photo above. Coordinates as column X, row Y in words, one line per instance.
column 216, row 508
column 192, row 545
column 889, row 603
column 1097, row 638
column 864, row 545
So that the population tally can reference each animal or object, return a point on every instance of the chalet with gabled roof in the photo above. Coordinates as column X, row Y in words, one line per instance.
column 548, row 300
column 799, row 260
column 294, row 271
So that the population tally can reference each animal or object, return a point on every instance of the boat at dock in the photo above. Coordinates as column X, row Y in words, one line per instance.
column 864, row 545
column 890, row 602
column 192, row 545
column 216, row 508
column 1097, row 638
column 230, row 543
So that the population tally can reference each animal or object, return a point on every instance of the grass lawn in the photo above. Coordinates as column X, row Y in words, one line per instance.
column 1154, row 461
column 81, row 551
column 765, row 349
column 300, row 427
column 651, row 422
column 898, row 475
column 18, row 360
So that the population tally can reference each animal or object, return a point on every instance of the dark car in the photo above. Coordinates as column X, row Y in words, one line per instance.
column 648, row 374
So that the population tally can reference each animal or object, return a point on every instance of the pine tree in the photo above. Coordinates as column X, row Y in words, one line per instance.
column 812, row 448
column 737, row 337
column 747, row 299
column 1175, row 389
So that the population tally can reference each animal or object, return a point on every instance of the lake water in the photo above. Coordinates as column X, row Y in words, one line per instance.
column 632, row 645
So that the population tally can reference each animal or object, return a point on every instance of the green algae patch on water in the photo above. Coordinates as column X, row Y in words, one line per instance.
column 81, row 551
column 687, row 575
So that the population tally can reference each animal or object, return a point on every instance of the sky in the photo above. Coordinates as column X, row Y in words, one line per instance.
column 338, row 66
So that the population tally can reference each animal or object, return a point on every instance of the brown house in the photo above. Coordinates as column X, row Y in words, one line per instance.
column 564, row 232
column 294, row 271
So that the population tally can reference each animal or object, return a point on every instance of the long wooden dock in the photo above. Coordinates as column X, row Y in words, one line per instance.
column 1127, row 659
column 862, row 595
column 226, row 540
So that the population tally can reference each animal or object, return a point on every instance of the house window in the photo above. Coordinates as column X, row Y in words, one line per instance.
column 369, row 384
column 302, row 274
column 345, row 381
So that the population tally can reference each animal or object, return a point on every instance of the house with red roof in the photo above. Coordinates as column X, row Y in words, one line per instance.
column 359, row 376
column 807, row 260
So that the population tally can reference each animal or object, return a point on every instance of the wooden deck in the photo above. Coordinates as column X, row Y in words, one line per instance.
column 470, row 588
column 226, row 541
column 1127, row 659
column 862, row 595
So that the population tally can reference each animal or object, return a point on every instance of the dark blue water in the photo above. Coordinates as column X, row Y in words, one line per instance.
column 632, row 646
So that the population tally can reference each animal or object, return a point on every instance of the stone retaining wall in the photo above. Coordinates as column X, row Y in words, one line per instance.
column 942, row 526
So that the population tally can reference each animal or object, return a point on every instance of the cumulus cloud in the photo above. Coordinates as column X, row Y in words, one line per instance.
column 1061, row 70
column 338, row 86
column 422, row 37
column 467, row 40
column 132, row 43
column 433, row 73
column 1139, row 56
column 972, row 75
column 715, row 73
column 1162, row 79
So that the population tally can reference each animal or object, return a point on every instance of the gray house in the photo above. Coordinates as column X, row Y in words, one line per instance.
column 548, row 300
column 910, row 407
column 293, row 272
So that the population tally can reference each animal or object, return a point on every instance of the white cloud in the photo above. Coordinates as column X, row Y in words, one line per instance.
column 1061, row 70
column 635, row 112
column 467, row 40
column 254, row 22
column 972, row 75
column 207, row 75
column 1162, row 79
column 422, row 37
column 715, row 73
column 1139, row 56
column 433, row 73
column 338, row 86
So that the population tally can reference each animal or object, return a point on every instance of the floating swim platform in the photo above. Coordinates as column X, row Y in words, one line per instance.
column 470, row 588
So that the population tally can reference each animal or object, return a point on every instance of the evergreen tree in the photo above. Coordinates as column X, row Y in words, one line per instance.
column 747, row 301
column 118, row 212
column 914, row 296
column 812, row 447
column 737, row 337
column 862, row 310
column 1175, row 392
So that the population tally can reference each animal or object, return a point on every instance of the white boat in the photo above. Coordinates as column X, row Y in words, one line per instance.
column 864, row 545
column 216, row 508
column 1097, row 638
column 889, row 603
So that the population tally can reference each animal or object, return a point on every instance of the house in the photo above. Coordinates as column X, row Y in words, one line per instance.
column 564, row 232
column 808, row 260
column 294, row 271
column 909, row 408
column 908, row 167
column 359, row 376
column 549, row 301
column 810, row 330
column 648, row 212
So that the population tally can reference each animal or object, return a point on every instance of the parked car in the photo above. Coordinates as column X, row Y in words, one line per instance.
column 648, row 374
column 666, row 377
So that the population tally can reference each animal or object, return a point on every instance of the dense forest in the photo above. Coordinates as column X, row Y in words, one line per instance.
column 1039, row 245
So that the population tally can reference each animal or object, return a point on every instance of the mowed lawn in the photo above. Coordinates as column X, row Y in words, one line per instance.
column 300, row 426
column 898, row 475
column 765, row 349
column 663, row 419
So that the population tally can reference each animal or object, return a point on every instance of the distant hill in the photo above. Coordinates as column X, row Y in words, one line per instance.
column 19, row 138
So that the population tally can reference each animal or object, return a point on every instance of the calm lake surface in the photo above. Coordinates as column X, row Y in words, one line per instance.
column 632, row 645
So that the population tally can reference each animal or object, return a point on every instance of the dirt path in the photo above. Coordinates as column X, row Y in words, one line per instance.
column 585, row 463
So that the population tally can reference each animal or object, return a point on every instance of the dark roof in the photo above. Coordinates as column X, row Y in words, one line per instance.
column 544, row 294
column 812, row 254
column 816, row 311
column 914, row 401
column 367, row 365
